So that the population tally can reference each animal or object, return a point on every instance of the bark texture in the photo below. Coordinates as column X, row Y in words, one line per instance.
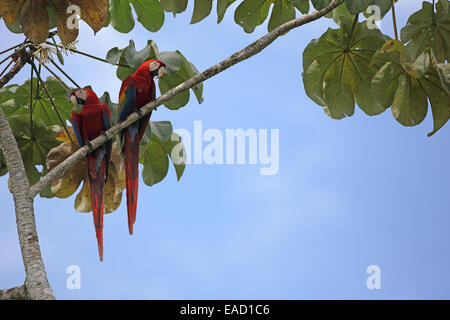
column 17, row 293
column 36, row 283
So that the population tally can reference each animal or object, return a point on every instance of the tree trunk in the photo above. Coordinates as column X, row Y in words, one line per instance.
column 36, row 283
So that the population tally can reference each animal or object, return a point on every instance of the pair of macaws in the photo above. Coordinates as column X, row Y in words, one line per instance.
column 95, row 119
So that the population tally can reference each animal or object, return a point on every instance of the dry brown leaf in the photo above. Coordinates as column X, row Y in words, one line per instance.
column 9, row 9
column 93, row 12
column 66, row 34
column 34, row 20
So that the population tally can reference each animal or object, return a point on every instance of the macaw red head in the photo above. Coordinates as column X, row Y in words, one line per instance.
column 156, row 68
column 84, row 96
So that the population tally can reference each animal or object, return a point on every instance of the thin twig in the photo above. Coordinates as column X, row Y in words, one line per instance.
column 12, row 48
column 249, row 51
column 57, row 77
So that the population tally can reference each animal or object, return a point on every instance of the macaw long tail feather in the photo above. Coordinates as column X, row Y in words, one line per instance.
column 131, row 154
column 97, row 173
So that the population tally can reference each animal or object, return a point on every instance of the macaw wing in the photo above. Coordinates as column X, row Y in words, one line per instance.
column 127, row 98
column 75, row 118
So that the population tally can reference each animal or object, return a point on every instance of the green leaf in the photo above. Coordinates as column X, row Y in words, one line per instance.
column 43, row 111
column 320, row 4
column 202, row 9
column 129, row 56
column 410, row 102
column 338, row 69
column 156, row 162
column 222, row 6
column 121, row 16
column 150, row 14
column 135, row 58
column 427, row 29
column 34, row 142
column 283, row 11
column 444, row 75
column 422, row 64
column 162, row 129
column 156, row 158
column 397, row 85
column 340, row 13
column 179, row 71
column 439, row 100
column 302, row 5
column 177, row 153
column 252, row 13
column 14, row 27
column 174, row 6
column 384, row 5
column 357, row 6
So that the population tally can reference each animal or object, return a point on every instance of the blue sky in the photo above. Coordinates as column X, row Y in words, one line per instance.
column 348, row 194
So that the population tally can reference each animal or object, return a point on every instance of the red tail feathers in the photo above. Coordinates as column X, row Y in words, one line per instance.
column 97, row 182
column 131, row 153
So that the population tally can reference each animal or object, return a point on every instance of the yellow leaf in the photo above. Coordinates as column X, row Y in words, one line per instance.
column 62, row 135
column 83, row 199
column 69, row 183
column 93, row 12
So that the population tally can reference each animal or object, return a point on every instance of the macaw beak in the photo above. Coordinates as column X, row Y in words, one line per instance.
column 76, row 100
column 73, row 98
column 161, row 71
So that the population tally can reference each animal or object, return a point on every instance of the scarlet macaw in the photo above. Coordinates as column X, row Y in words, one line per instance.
column 137, row 90
column 93, row 120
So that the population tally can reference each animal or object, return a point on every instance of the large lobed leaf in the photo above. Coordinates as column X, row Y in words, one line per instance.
column 428, row 28
column 178, row 70
column 338, row 69
column 409, row 85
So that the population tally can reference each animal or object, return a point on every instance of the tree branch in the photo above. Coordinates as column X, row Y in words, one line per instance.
column 17, row 293
column 14, row 70
column 239, row 56
column 36, row 282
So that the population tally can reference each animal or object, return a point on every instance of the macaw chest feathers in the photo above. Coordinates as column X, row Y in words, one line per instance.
column 92, row 123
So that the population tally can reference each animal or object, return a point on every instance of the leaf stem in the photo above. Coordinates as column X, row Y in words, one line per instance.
column 31, row 100
column 12, row 48
column 394, row 19
column 89, row 55
column 52, row 102
column 65, row 74
column 57, row 77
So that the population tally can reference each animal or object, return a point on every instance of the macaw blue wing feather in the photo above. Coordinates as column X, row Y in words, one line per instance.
column 75, row 119
column 126, row 102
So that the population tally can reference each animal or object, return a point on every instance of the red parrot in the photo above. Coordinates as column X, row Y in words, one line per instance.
column 93, row 120
column 137, row 90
